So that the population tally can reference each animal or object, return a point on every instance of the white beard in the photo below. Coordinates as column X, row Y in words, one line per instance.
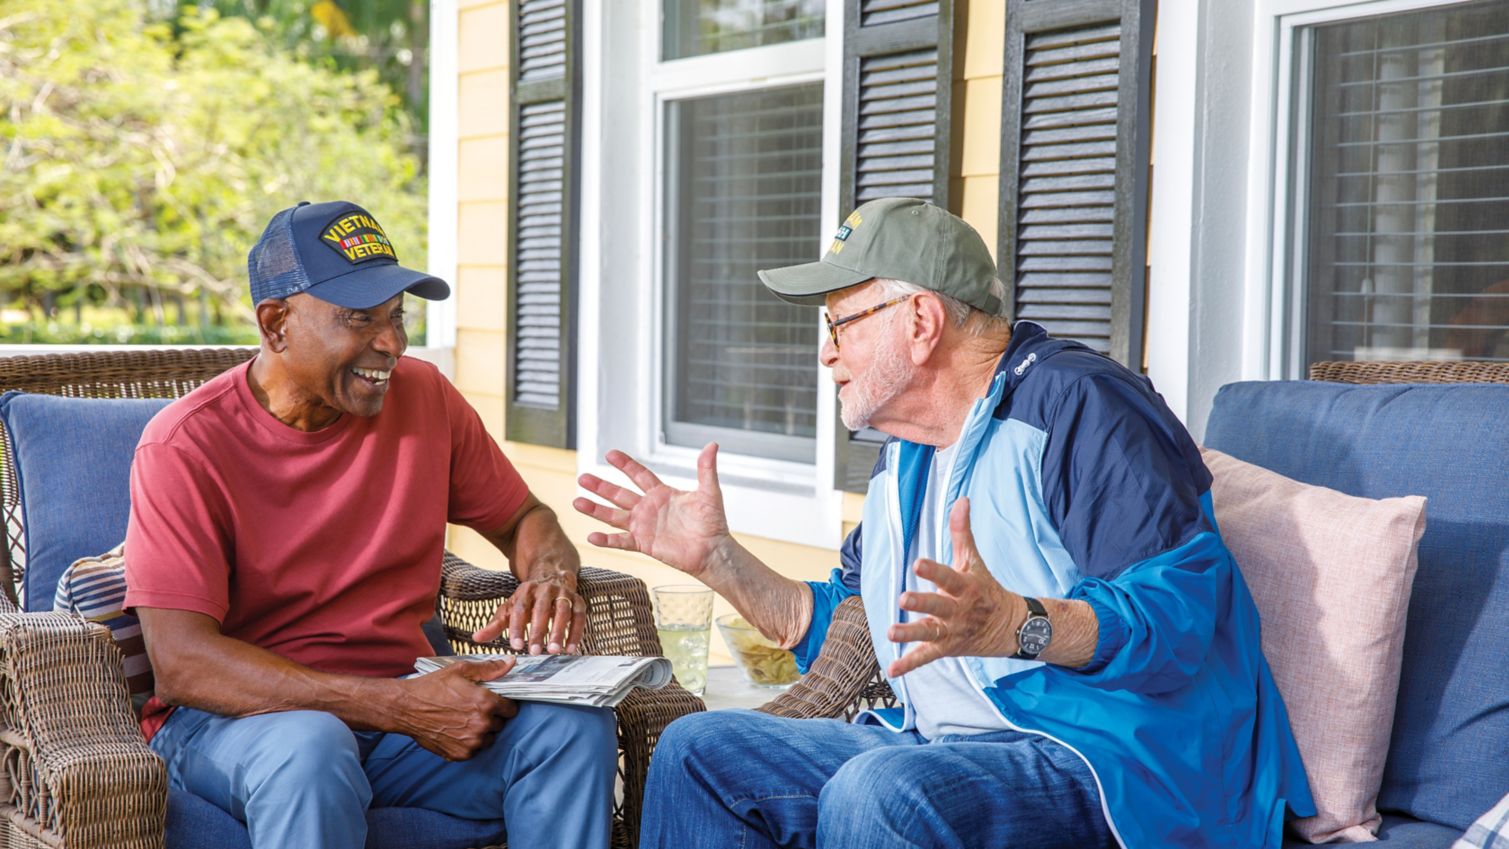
column 886, row 378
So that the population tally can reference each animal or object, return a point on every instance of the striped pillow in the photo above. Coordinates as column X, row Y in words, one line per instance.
column 95, row 588
column 1491, row 831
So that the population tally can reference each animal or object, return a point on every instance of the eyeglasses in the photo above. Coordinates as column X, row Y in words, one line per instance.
column 833, row 326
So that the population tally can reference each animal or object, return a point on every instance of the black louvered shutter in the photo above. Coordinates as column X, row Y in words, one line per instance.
column 1074, row 169
column 543, row 145
column 898, row 90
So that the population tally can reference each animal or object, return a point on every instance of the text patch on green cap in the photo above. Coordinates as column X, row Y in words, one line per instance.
column 844, row 230
column 898, row 238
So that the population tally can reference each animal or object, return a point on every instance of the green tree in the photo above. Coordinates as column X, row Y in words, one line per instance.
column 390, row 36
column 141, row 160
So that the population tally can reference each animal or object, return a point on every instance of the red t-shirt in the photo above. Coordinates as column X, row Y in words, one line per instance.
column 323, row 547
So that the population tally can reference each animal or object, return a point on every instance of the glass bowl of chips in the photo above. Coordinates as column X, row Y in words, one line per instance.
column 763, row 663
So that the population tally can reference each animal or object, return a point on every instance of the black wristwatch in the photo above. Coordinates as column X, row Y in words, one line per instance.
column 1033, row 637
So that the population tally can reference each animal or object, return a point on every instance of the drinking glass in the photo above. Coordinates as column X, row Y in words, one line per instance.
column 683, row 618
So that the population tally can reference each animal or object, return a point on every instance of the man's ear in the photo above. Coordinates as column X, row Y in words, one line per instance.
column 928, row 318
column 272, row 324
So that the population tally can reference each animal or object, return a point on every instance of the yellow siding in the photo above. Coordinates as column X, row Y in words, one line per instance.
column 482, row 233
column 484, row 161
column 481, row 297
column 482, row 224
column 984, row 38
column 982, row 126
column 483, row 256
column 977, row 92
column 486, row 92
column 482, row 37
column 479, row 356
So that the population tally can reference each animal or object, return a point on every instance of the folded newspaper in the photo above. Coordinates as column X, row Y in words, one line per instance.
column 595, row 680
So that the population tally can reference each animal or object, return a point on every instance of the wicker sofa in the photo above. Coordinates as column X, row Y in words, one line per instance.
column 1451, row 698
column 76, row 772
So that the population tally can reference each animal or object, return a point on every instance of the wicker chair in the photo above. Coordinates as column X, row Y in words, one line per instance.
column 74, row 770
column 846, row 679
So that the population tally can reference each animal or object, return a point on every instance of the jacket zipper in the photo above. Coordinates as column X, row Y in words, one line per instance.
column 1099, row 788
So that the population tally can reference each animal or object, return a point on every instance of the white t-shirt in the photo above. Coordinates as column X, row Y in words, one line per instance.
column 945, row 700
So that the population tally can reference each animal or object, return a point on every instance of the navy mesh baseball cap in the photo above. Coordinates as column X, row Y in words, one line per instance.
column 336, row 252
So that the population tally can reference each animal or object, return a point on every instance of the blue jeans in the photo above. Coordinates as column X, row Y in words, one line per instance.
column 740, row 780
column 303, row 778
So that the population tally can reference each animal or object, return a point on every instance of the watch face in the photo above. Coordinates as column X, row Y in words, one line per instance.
column 1034, row 635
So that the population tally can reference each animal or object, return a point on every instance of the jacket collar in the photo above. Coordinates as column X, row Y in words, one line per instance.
column 1028, row 341
column 1030, row 345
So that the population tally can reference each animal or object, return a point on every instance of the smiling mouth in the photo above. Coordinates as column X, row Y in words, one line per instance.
column 377, row 378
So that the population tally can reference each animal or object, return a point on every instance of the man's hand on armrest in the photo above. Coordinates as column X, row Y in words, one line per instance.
column 197, row 666
column 546, row 609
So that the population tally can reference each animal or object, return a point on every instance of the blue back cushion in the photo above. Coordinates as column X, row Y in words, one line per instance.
column 1449, row 443
column 73, row 462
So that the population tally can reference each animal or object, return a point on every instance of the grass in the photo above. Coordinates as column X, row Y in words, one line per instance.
column 125, row 333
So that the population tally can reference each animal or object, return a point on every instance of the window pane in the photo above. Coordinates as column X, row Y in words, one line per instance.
column 1407, row 249
column 745, row 175
column 699, row 27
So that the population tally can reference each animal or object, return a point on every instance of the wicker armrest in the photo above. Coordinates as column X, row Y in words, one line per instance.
column 844, row 679
column 619, row 622
column 77, row 772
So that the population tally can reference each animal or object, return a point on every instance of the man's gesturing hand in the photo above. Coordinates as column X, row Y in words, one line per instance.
column 680, row 529
column 450, row 714
column 970, row 616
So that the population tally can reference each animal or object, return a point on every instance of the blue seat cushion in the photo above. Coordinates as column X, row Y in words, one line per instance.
column 195, row 823
column 72, row 458
column 1449, row 443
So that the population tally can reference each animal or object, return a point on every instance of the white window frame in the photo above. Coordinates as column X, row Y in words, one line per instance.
column 1286, row 260
column 1220, row 240
column 679, row 81
column 622, row 304
column 444, row 155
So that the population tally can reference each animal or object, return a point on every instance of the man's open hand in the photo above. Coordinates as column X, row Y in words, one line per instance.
column 971, row 615
column 449, row 713
column 680, row 529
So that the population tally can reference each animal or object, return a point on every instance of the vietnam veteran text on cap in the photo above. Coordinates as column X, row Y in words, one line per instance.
column 336, row 252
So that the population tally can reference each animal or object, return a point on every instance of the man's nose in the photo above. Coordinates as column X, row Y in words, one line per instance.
column 828, row 354
column 391, row 340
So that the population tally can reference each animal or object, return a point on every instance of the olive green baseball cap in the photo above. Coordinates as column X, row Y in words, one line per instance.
column 901, row 239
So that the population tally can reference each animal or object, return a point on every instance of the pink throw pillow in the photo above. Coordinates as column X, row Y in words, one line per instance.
column 1331, row 574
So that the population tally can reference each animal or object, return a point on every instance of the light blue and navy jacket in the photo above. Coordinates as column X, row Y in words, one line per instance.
column 1083, row 485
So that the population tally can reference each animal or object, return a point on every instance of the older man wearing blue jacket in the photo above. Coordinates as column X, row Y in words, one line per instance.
column 1075, row 653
